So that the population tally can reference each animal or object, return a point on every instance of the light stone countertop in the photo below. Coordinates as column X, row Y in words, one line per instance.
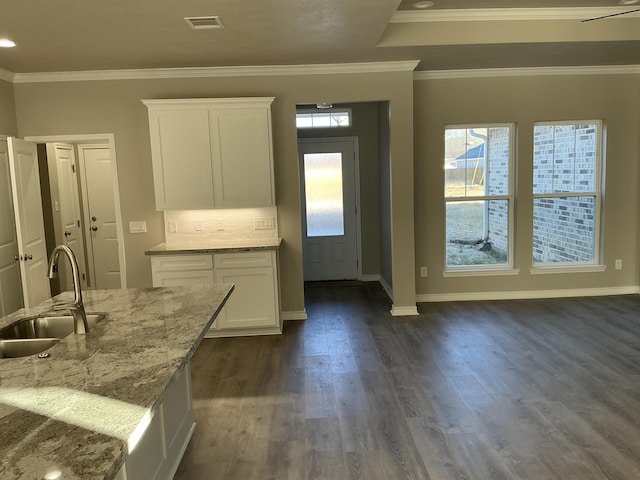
column 74, row 411
column 215, row 246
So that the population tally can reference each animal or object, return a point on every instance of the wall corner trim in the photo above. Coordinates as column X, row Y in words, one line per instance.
column 404, row 311
column 211, row 72
column 293, row 315
column 503, row 14
column 7, row 76
column 526, row 72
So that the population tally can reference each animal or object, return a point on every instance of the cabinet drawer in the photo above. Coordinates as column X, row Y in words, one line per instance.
column 177, row 263
column 244, row 259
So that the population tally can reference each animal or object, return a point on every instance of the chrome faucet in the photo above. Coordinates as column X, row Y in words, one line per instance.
column 80, row 325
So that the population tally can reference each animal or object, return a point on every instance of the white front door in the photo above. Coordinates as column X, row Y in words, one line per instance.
column 27, row 203
column 104, row 261
column 69, row 206
column 328, row 190
column 10, row 291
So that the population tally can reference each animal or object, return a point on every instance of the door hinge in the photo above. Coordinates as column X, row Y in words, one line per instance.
column 78, row 222
column 73, row 168
column 83, row 277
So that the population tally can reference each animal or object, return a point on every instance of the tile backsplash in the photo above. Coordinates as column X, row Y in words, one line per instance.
column 184, row 227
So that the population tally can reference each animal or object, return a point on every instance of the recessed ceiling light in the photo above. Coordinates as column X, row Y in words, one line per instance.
column 423, row 4
column 6, row 43
column 628, row 2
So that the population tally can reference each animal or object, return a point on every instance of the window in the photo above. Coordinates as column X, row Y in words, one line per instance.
column 478, row 193
column 323, row 194
column 567, row 159
column 323, row 119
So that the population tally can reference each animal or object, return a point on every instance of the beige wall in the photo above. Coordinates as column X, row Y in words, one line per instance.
column 524, row 100
column 114, row 107
column 364, row 125
column 8, row 123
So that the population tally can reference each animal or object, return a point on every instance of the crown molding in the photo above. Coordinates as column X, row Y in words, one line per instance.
column 526, row 72
column 7, row 76
column 211, row 72
column 506, row 14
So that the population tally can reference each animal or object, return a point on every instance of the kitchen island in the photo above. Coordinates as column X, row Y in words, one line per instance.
column 115, row 399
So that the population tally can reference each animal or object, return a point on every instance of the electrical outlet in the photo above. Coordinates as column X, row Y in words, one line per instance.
column 264, row 223
column 198, row 225
column 172, row 226
column 423, row 271
column 618, row 264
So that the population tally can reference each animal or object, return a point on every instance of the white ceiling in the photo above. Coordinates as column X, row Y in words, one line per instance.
column 73, row 35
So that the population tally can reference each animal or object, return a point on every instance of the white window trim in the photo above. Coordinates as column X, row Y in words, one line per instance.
column 477, row 271
column 312, row 111
column 579, row 267
column 572, row 268
column 484, row 269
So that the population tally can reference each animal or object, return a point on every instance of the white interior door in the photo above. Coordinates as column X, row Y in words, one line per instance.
column 10, row 288
column 99, row 200
column 27, row 203
column 329, row 231
column 71, row 233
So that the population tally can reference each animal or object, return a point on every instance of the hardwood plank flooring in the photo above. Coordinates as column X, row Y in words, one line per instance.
column 531, row 389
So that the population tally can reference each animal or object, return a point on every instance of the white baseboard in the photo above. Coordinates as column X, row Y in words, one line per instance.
column 387, row 288
column 528, row 294
column 370, row 277
column 403, row 311
column 293, row 315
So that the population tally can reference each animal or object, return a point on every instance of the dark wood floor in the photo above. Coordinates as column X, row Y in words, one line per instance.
column 543, row 389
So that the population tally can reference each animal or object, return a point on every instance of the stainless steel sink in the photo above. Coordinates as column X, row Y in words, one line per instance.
column 32, row 335
column 25, row 346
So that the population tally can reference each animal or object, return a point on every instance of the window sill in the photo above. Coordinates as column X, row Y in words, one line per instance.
column 478, row 272
column 565, row 269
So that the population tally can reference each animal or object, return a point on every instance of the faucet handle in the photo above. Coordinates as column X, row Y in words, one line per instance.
column 62, row 306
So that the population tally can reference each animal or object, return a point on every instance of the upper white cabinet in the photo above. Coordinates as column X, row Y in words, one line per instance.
column 211, row 153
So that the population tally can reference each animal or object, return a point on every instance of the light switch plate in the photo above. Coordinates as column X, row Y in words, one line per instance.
column 138, row 227
column 172, row 226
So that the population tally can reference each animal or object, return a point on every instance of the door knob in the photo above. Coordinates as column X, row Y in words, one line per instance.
column 17, row 257
column 67, row 233
column 28, row 257
column 93, row 219
column 94, row 228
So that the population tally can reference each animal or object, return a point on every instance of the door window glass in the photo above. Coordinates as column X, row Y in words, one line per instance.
column 323, row 194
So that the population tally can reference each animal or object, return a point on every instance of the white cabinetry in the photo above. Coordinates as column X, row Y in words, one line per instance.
column 211, row 153
column 255, row 278
column 252, row 309
column 157, row 453
column 176, row 270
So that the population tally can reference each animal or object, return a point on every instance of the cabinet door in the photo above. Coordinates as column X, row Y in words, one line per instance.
column 177, row 270
column 181, row 153
column 177, row 279
column 242, row 156
column 253, row 302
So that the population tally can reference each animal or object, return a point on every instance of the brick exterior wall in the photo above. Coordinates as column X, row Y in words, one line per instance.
column 497, row 183
column 564, row 161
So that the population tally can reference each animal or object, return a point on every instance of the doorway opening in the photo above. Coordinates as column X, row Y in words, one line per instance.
column 345, row 192
column 81, row 207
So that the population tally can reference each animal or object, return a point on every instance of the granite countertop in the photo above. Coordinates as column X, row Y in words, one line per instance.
column 215, row 246
column 75, row 411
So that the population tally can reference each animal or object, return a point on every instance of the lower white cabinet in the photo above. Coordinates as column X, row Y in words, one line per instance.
column 252, row 309
column 157, row 453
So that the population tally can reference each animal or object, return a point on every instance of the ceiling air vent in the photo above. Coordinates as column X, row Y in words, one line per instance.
column 199, row 23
